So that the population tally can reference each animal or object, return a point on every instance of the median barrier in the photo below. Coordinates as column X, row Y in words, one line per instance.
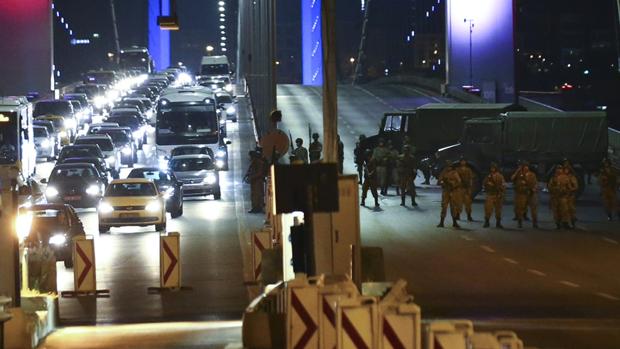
column 169, row 264
column 84, row 269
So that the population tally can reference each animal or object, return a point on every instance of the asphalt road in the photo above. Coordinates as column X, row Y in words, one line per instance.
column 559, row 289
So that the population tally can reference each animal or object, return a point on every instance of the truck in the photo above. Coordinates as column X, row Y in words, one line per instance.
column 431, row 127
column 136, row 57
column 215, row 66
column 17, row 150
column 543, row 139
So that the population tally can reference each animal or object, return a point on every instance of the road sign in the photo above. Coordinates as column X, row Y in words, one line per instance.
column 169, row 256
column 84, row 271
column 261, row 240
column 329, row 297
column 448, row 334
column 303, row 317
column 400, row 327
column 356, row 323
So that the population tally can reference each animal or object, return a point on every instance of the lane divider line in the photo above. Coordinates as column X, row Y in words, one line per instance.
column 487, row 248
column 467, row 238
column 607, row 296
column 510, row 260
column 611, row 241
column 569, row 284
column 536, row 272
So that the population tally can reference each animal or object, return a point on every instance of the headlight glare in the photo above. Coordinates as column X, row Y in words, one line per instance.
column 231, row 110
column 58, row 239
column 126, row 151
column 45, row 143
column 51, row 192
column 153, row 206
column 210, row 178
column 92, row 190
column 105, row 208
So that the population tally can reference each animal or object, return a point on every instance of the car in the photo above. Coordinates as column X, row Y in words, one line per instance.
column 82, row 150
column 54, row 225
column 64, row 133
column 86, row 111
column 198, row 175
column 131, row 103
column 167, row 184
column 221, row 156
column 96, row 96
column 44, row 143
column 110, row 151
column 135, row 122
column 228, row 104
column 81, row 114
column 92, row 129
column 78, row 184
column 123, row 141
column 132, row 202
column 99, row 164
column 58, row 107
column 51, row 130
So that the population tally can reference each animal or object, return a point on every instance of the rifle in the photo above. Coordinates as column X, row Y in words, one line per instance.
column 291, row 139
column 309, row 134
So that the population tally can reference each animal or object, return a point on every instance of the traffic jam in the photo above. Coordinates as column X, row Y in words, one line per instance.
column 130, row 145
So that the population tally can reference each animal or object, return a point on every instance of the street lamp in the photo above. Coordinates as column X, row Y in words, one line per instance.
column 209, row 49
column 471, row 44
column 352, row 60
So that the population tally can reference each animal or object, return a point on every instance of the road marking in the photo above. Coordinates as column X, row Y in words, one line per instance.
column 611, row 241
column 487, row 248
column 467, row 238
column 424, row 94
column 569, row 284
column 536, row 272
column 511, row 261
column 540, row 103
column 376, row 97
column 607, row 296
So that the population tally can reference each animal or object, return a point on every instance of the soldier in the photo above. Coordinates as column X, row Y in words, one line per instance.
column 256, row 177
column 450, row 182
column 608, row 180
column 392, row 171
column 315, row 148
column 406, row 175
column 467, row 182
column 370, row 181
column 573, row 188
column 494, row 188
column 300, row 153
column 340, row 155
column 358, row 158
column 526, row 194
column 558, row 191
column 380, row 155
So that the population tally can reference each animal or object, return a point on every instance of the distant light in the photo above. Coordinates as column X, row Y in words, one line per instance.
column 586, row 72
column 67, row 26
column 222, row 15
column 352, row 60
column 222, row 27
column 209, row 48
column 387, row 72
column 221, row 3
column 424, row 61
column 224, row 49
column 221, row 9
column 439, row 61
column 433, row 8
column 222, row 20
column 277, row 62
column 408, row 38
column 57, row 13
column 222, row 32
column 363, row 5
column 428, row 14
column 568, row 65
column 71, row 32
column 58, row 73
column 95, row 35
column 110, row 54
column 434, row 67
column 435, row 52
column 62, row 19
column 223, row 38
column 222, row 44
column 531, row 56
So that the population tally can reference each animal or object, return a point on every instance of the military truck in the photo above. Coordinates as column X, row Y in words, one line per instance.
column 431, row 127
column 544, row 139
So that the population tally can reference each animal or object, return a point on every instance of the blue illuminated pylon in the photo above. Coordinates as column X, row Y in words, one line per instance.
column 311, row 42
column 159, row 40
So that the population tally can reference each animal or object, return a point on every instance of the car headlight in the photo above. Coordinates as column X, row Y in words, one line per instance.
column 45, row 143
column 23, row 222
column 112, row 94
column 92, row 190
column 168, row 193
column 100, row 102
column 69, row 123
column 110, row 160
column 62, row 134
column 210, row 178
column 105, row 208
column 229, row 87
column 231, row 110
column 58, row 239
column 153, row 206
column 51, row 192
column 126, row 151
column 219, row 163
column 220, row 153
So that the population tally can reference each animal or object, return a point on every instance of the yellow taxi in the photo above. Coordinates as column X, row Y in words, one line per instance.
column 132, row 202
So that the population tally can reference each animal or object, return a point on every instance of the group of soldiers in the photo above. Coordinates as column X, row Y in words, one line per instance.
column 301, row 155
column 384, row 166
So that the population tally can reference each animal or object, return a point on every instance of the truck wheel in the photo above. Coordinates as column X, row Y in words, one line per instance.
column 103, row 229
column 178, row 212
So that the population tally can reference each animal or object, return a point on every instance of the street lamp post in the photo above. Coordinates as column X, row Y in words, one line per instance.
column 470, row 22
column 209, row 49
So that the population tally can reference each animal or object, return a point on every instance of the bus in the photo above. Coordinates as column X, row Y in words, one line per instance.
column 186, row 117
column 136, row 58
column 17, row 149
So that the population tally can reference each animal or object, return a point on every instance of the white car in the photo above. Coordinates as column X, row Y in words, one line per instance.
column 112, row 153
column 132, row 202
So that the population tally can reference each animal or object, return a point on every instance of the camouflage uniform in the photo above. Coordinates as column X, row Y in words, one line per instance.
column 526, row 195
column 571, row 199
column 464, row 195
column 608, row 180
column 406, row 176
column 494, row 188
column 301, row 154
column 558, row 192
column 370, row 182
column 315, row 149
column 450, row 182
column 256, row 177
column 380, row 155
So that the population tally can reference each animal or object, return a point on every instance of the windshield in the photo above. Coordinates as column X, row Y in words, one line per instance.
column 79, row 152
column 76, row 104
column 134, row 59
column 214, row 69
column 224, row 99
column 52, row 108
column 188, row 151
column 393, row 123
column 131, row 189
column 40, row 131
column 187, row 125
column 181, row 165
column 8, row 138
column 159, row 177
column 72, row 173
column 59, row 123
column 103, row 143
column 126, row 121
column 90, row 91
column 118, row 137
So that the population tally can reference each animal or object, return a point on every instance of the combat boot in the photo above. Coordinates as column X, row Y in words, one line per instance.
column 440, row 225
column 413, row 203
column 520, row 223
column 454, row 223
column 363, row 203
column 486, row 223
column 377, row 202
column 498, row 224
column 469, row 218
column 402, row 201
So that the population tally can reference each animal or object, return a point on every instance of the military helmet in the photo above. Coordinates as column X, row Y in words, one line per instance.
column 299, row 141
column 494, row 165
column 315, row 136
